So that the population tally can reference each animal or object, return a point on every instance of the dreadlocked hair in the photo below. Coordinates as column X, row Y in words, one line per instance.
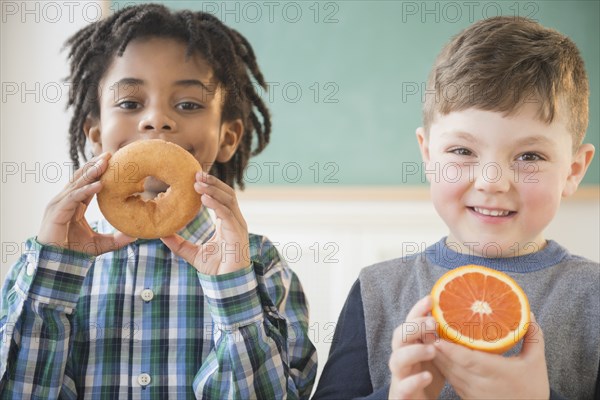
column 93, row 48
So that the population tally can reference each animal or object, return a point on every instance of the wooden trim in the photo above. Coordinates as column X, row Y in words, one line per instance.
column 367, row 193
column 587, row 193
column 105, row 7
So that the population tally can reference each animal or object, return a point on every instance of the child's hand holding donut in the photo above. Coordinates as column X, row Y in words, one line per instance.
column 64, row 224
column 228, row 249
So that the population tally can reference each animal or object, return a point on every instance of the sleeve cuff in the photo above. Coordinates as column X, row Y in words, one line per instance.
column 381, row 393
column 555, row 395
column 53, row 275
column 233, row 298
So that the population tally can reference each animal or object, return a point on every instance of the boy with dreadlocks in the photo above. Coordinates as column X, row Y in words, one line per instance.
column 89, row 312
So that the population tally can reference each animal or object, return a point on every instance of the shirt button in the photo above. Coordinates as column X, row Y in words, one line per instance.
column 144, row 379
column 147, row 295
column 30, row 269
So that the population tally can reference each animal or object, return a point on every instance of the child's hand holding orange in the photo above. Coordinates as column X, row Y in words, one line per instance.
column 485, row 311
column 414, row 375
column 479, row 375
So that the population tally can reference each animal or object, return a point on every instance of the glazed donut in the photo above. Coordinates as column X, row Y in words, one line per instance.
column 123, row 181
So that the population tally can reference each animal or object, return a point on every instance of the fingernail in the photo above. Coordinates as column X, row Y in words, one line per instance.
column 95, row 185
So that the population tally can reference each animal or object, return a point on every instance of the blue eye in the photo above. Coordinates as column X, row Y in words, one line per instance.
column 461, row 151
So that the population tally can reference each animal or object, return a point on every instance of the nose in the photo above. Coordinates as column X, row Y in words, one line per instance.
column 492, row 178
column 157, row 119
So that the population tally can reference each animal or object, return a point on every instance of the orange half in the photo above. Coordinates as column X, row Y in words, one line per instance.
column 480, row 308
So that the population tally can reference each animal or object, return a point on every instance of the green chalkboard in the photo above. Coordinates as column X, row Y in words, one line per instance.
column 347, row 78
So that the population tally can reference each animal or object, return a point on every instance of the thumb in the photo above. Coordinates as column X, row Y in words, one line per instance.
column 533, row 341
column 104, row 243
column 122, row 239
column 184, row 249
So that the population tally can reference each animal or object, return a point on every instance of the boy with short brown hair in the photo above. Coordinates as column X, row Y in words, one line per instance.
column 509, row 114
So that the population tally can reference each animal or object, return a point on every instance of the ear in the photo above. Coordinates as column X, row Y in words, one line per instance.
column 91, row 128
column 424, row 147
column 579, row 165
column 423, row 144
column 231, row 135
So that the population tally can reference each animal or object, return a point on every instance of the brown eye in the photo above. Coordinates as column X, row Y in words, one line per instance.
column 188, row 106
column 128, row 105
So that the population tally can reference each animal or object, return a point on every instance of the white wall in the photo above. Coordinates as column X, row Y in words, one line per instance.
column 326, row 242
column 34, row 124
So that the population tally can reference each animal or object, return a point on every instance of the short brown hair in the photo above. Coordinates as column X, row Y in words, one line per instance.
column 497, row 64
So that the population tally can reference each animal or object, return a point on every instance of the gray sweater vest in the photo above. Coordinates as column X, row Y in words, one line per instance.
column 563, row 291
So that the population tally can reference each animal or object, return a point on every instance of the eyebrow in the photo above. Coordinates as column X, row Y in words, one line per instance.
column 129, row 82
column 182, row 82
column 461, row 135
column 527, row 141
column 192, row 83
column 534, row 140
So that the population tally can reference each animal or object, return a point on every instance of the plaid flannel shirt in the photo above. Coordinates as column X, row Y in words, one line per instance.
column 141, row 323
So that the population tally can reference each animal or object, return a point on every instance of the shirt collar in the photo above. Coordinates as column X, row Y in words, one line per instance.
column 447, row 257
column 197, row 230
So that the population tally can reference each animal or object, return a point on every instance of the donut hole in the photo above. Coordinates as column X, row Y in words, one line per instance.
column 154, row 189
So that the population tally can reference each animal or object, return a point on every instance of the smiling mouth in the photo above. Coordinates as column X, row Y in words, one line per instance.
column 492, row 212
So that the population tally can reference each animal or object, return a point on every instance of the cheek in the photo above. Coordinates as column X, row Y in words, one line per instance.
column 447, row 195
column 205, row 153
column 541, row 202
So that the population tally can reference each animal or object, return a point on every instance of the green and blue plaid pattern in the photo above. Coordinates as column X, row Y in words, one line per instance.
column 74, row 326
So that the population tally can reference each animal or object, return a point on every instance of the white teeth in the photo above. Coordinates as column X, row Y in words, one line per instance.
column 493, row 213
